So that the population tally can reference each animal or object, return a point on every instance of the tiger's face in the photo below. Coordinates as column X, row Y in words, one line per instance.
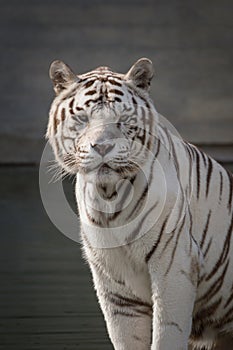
column 101, row 121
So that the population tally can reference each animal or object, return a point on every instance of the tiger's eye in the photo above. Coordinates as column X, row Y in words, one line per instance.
column 124, row 118
column 82, row 118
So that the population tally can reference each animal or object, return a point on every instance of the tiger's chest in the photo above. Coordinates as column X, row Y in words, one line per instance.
column 124, row 265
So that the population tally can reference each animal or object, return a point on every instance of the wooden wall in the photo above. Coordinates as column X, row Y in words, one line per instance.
column 190, row 43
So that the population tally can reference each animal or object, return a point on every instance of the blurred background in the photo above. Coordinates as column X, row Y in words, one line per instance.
column 46, row 295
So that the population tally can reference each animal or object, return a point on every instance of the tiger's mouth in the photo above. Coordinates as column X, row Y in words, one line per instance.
column 101, row 168
column 106, row 174
column 105, row 169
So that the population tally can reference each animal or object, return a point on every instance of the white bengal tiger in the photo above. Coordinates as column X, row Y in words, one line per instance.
column 156, row 212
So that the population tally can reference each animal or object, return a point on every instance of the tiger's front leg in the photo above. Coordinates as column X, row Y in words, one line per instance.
column 128, row 318
column 173, row 294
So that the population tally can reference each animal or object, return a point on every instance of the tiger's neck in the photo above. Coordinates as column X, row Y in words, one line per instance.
column 104, row 202
column 120, row 207
column 108, row 215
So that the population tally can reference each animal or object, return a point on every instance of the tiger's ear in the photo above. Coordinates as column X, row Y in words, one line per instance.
column 141, row 73
column 61, row 76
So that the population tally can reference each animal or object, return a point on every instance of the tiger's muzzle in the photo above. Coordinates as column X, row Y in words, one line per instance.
column 103, row 145
column 103, row 148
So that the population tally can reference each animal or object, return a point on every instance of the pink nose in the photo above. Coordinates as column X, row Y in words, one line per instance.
column 102, row 148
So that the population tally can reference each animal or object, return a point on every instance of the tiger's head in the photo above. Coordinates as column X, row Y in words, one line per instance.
column 101, row 122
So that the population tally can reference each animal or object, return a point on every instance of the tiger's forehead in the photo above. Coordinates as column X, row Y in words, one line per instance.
column 102, row 90
column 101, row 73
column 102, row 87
column 102, row 81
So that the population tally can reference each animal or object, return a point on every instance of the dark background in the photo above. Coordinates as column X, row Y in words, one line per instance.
column 46, row 295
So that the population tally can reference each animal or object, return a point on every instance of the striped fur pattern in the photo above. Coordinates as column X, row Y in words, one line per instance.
column 156, row 212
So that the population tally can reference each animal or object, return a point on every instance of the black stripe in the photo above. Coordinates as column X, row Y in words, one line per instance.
column 158, row 148
column 118, row 99
column 229, row 300
column 114, row 82
column 203, row 316
column 198, row 172
column 166, row 245
column 209, row 310
column 215, row 287
column 230, row 189
column 129, row 301
column 89, row 83
column 79, row 108
column 168, row 141
column 142, row 137
column 145, row 101
column 139, row 203
column 175, row 247
column 119, row 210
column 87, row 103
column 57, row 145
column 56, row 123
column 220, row 186
column 71, row 104
column 203, row 157
column 133, row 309
column 225, row 251
column 188, row 148
column 205, row 230
column 140, row 200
column 137, row 232
column 91, row 92
column 207, row 248
column 89, row 216
column 227, row 318
column 190, row 230
column 151, row 252
column 174, row 154
column 175, row 325
column 63, row 114
column 208, row 177
column 55, row 120
column 191, row 148
column 116, row 92
column 190, row 160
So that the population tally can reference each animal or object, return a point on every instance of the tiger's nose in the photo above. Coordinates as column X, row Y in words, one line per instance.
column 102, row 148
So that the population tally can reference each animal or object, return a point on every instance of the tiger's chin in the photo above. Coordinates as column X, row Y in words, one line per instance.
column 106, row 175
